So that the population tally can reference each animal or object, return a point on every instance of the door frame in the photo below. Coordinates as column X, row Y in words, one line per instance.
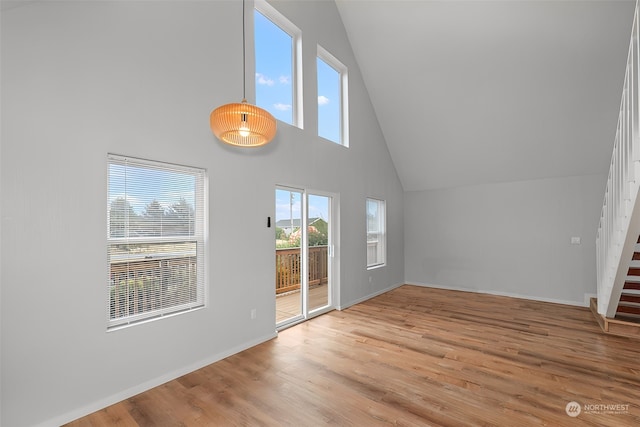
column 333, row 255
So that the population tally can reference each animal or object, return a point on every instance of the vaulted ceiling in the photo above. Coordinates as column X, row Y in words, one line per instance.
column 472, row 92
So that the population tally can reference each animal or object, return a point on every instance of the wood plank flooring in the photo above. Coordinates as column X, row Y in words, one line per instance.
column 412, row 357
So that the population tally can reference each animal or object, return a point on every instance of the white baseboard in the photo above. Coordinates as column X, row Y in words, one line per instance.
column 118, row 397
column 375, row 294
column 584, row 303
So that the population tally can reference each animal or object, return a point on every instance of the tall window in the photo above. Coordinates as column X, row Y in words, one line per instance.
column 277, row 51
column 333, row 121
column 376, row 233
column 155, row 239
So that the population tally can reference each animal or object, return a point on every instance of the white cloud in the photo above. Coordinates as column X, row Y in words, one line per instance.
column 285, row 80
column 261, row 79
column 323, row 100
column 282, row 107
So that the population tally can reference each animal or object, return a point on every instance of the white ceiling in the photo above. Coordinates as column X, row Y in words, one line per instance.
column 471, row 92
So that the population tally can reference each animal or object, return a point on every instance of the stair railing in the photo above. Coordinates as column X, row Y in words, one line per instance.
column 620, row 217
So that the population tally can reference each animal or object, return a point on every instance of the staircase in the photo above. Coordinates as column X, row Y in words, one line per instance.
column 626, row 317
column 617, row 307
column 629, row 303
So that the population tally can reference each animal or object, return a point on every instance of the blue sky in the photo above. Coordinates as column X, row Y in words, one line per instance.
column 318, row 205
column 274, row 69
column 274, row 79
column 328, row 102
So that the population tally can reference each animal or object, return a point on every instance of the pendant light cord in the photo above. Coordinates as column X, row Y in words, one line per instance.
column 244, row 56
column 255, row 126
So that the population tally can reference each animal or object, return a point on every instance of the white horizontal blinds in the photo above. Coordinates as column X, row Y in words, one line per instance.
column 155, row 239
column 376, row 232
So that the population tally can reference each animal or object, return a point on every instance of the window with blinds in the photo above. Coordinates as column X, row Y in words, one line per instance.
column 376, row 233
column 155, row 239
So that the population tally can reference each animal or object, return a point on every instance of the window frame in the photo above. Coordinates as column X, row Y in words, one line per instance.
column 343, row 72
column 295, row 33
column 198, row 237
column 381, row 251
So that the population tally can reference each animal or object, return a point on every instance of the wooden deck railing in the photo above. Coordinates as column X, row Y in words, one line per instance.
column 141, row 286
column 288, row 267
column 147, row 285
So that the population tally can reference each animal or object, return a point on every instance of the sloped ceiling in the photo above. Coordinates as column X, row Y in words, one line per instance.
column 471, row 92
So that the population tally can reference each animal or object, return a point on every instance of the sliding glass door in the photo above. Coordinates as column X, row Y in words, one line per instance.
column 288, row 255
column 304, row 255
column 318, row 248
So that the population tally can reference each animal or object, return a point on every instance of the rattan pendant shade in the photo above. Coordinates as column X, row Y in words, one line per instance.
column 243, row 124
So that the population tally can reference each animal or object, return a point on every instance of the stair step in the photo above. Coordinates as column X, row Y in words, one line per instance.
column 634, row 271
column 625, row 325
column 635, row 298
column 630, row 309
column 632, row 285
column 632, row 318
column 629, row 305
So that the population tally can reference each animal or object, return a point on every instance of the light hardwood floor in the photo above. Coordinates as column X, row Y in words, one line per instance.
column 413, row 357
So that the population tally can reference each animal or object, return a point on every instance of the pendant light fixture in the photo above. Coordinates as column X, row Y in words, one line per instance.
column 243, row 124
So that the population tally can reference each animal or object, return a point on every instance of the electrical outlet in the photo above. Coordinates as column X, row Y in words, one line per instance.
column 575, row 240
column 253, row 314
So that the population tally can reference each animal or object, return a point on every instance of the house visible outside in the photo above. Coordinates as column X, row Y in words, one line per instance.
column 288, row 233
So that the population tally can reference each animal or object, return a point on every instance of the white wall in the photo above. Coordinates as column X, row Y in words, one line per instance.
column 83, row 79
column 511, row 238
